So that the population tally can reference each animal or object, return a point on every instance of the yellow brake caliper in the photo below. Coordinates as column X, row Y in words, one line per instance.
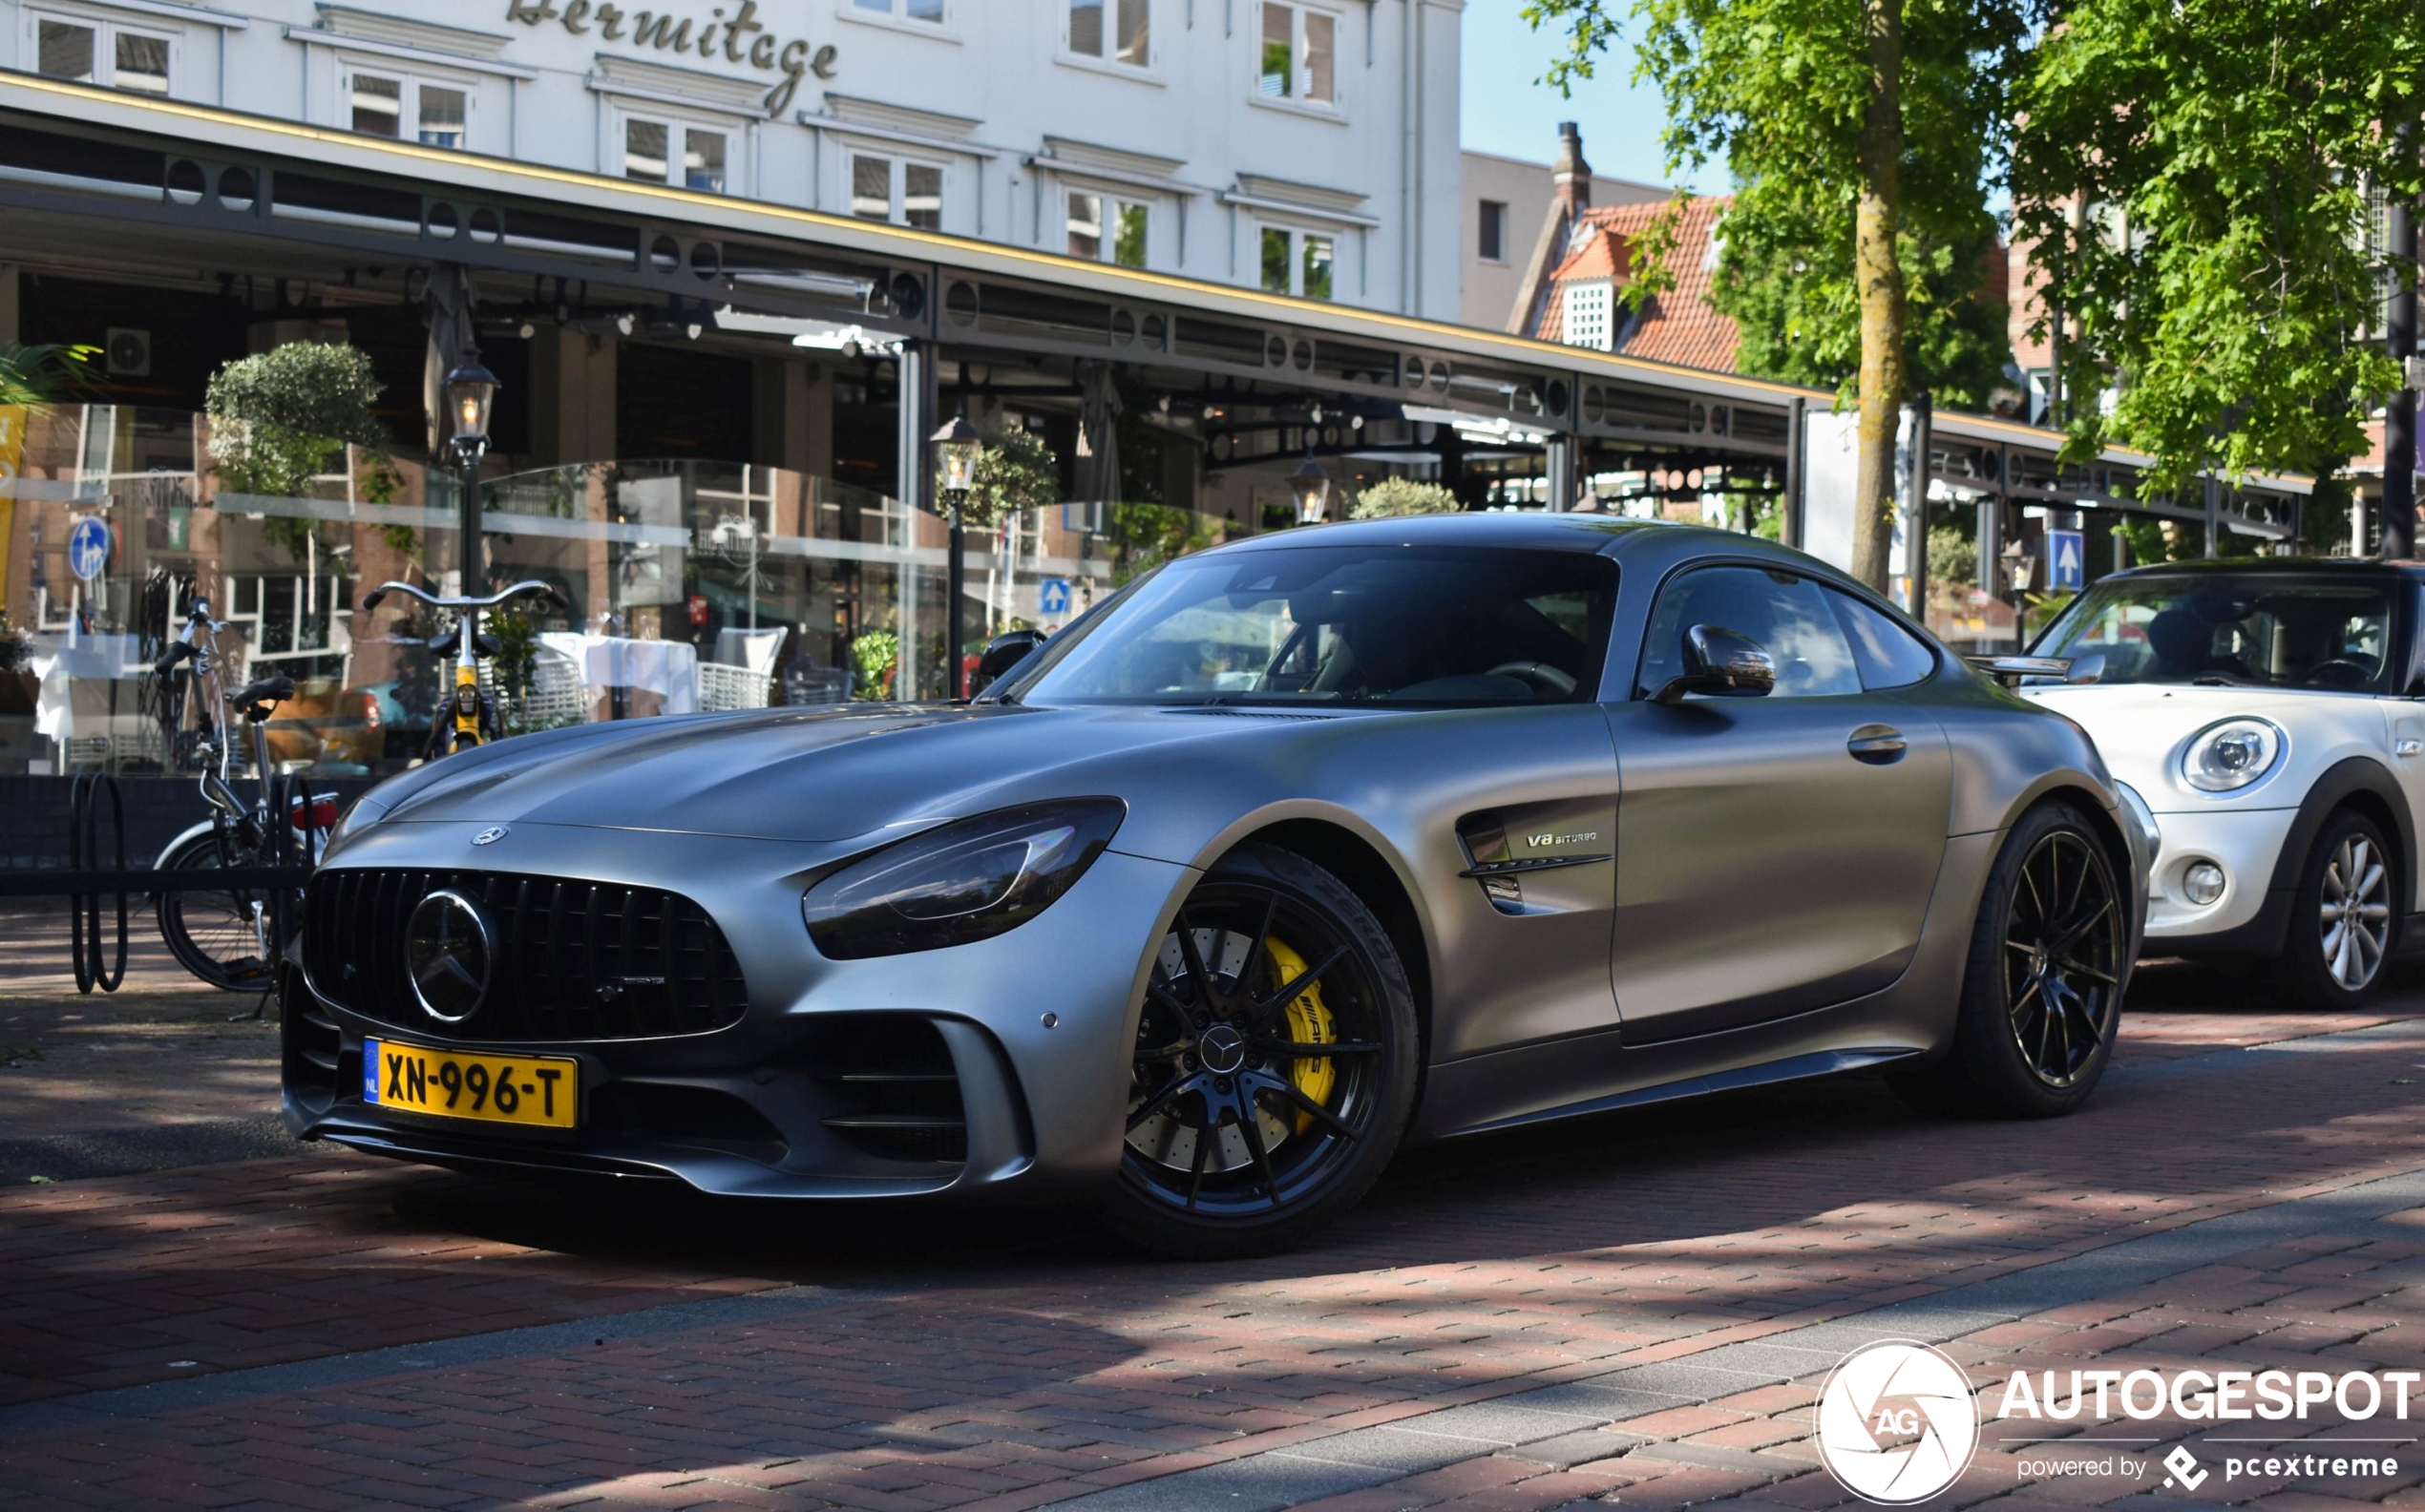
column 1309, row 1022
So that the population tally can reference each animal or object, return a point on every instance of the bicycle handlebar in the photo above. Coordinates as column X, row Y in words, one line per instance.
column 547, row 591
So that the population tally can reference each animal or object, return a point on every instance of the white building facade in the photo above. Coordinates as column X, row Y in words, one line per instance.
column 1304, row 147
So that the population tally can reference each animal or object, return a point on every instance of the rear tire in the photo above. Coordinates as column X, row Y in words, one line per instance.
column 1241, row 1139
column 2042, row 991
column 2344, row 925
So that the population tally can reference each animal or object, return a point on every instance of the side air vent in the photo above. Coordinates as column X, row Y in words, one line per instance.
column 895, row 1092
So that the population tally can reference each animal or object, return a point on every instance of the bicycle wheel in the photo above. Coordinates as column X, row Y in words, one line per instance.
column 215, row 933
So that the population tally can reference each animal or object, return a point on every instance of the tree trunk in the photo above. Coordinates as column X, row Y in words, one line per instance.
column 1878, row 275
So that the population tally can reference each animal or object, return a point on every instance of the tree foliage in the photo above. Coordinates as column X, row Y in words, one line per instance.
column 1015, row 470
column 283, row 417
column 44, row 373
column 1774, row 90
column 1392, row 496
column 2194, row 174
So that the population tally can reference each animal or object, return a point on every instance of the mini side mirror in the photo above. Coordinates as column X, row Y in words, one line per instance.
column 1722, row 663
column 1003, row 652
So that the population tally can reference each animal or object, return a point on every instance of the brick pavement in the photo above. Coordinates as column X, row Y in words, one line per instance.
column 1001, row 1360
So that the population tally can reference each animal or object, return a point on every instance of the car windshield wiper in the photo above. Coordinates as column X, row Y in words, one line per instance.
column 2220, row 680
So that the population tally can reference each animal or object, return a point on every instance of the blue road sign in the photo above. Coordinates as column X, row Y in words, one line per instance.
column 1052, row 596
column 89, row 547
column 2066, row 569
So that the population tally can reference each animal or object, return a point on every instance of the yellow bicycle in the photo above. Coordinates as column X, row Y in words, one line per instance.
column 468, row 717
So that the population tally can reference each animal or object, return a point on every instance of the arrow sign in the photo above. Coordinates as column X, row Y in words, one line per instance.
column 2065, row 553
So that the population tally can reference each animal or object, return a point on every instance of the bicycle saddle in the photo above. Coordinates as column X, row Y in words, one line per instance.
column 262, row 692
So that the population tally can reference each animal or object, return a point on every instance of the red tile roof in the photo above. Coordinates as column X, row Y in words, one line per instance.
column 1677, row 326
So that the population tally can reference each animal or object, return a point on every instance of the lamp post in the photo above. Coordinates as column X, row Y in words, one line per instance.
column 2020, row 571
column 957, row 448
column 470, row 391
column 1312, row 487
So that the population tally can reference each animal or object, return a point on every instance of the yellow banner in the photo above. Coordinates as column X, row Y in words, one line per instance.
column 12, row 422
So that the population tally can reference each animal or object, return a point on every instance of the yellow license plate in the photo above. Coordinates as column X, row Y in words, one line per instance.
column 541, row 1091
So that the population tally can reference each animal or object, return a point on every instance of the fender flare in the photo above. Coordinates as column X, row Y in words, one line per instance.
column 2354, row 774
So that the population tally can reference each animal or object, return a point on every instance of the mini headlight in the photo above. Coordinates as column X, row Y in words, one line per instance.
column 2226, row 757
column 965, row 881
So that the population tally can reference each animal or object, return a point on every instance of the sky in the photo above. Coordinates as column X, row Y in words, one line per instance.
column 1507, row 111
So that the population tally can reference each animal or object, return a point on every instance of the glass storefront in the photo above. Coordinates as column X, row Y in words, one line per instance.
column 691, row 586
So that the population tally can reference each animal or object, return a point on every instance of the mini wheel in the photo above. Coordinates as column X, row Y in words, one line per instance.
column 2343, row 922
column 1274, row 1069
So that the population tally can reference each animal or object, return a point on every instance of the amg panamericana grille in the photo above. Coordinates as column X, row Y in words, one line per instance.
column 575, row 960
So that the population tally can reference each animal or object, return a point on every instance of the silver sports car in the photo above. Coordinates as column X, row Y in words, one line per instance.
column 1287, row 853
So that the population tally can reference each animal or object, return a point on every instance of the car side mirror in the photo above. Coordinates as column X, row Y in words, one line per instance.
column 1722, row 663
column 1003, row 652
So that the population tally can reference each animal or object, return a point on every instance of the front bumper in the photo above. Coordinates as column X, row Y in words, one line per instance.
column 2245, row 843
column 996, row 1068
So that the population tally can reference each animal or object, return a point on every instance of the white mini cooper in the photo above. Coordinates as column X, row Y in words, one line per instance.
column 2272, row 713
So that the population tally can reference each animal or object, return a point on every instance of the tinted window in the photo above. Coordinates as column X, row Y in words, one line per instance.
column 1339, row 625
column 1788, row 615
column 2231, row 629
column 1888, row 654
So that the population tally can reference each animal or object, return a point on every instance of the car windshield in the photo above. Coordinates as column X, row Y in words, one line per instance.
column 2245, row 630
column 1343, row 624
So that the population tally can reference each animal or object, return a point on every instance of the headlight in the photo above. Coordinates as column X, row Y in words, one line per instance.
column 965, row 881
column 2229, row 756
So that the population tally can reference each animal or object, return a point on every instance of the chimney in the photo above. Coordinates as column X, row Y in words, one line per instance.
column 1571, row 174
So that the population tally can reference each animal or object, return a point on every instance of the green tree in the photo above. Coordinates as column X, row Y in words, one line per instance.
column 1862, row 137
column 1392, row 496
column 280, row 418
column 1015, row 470
column 2193, row 174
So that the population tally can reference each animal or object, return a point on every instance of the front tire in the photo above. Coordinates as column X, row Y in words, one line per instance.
column 2342, row 925
column 1275, row 1065
column 215, row 932
column 2042, row 991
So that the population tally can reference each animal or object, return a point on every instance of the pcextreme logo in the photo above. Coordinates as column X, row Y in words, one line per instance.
column 1897, row 1423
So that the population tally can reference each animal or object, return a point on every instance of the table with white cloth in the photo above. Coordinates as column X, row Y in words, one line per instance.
column 669, row 669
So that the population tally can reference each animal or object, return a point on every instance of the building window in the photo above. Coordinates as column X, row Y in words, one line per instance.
column 408, row 109
column 1492, row 245
column 1300, row 54
column 102, row 53
column 1298, row 263
column 1107, row 230
column 1123, row 41
column 1587, row 311
column 930, row 11
column 908, row 194
column 675, row 152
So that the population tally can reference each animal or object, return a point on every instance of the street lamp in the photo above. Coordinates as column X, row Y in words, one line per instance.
column 1312, row 487
column 471, row 391
column 957, row 448
column 2020, row 568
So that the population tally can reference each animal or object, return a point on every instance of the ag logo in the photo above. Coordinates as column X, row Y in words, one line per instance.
column 1896, row 1423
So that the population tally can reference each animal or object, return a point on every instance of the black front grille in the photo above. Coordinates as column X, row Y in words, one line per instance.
column 575, row 961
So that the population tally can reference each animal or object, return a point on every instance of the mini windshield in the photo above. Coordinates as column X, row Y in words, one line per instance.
column 2246, row 630
column 1344, row 624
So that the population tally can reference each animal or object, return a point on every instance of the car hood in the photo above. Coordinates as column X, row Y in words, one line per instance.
column 795, row 774
column 2139, row 728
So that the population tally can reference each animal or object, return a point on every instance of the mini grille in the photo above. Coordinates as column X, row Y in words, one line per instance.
column 575, row 961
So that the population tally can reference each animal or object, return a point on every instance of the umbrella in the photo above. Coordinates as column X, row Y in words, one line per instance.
column 1098, row 435
column 450, row 301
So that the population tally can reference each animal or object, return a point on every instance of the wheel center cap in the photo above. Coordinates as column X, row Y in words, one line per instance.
column 1221, row 1048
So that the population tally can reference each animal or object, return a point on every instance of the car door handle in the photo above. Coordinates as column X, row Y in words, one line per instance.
column 1876, row 743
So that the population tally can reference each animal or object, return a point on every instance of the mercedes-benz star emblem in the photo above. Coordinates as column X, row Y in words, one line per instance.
column 489, row 836
column 450, row 950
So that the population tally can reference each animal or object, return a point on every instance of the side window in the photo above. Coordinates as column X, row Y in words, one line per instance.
column 1888, row 654
column 1787, row 615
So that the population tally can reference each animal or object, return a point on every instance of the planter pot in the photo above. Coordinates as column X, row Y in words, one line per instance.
column 18, row 692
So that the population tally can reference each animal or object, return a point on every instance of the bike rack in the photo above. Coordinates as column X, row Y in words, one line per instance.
column 84, row 909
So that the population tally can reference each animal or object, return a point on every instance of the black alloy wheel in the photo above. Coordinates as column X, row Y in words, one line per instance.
column 1274, row 1067
column 2062, row 960
column 2042, row 991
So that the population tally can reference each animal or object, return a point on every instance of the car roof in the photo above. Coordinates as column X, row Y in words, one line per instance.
column 2278, row 566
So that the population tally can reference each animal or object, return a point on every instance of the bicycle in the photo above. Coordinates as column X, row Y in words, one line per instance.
column 468, row 717
column 226, row 936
